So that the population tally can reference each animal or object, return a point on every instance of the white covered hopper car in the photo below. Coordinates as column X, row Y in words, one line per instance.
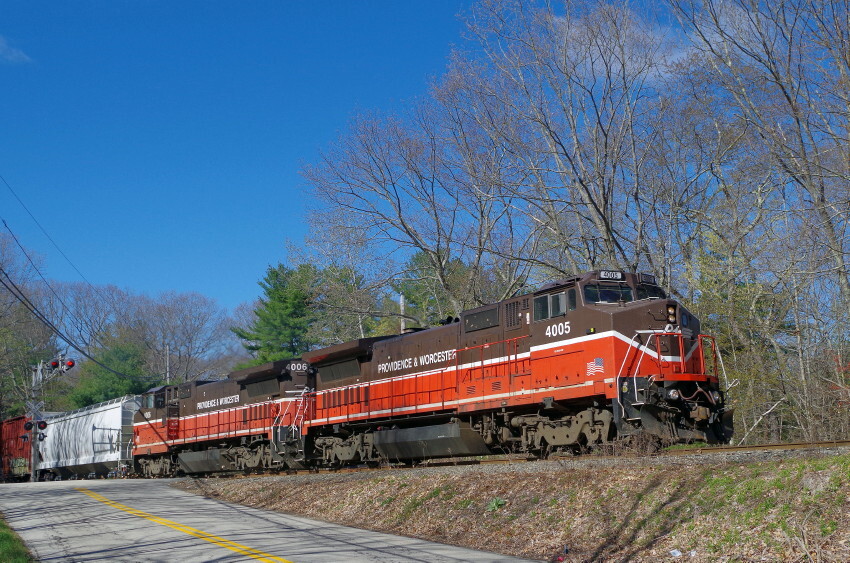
column 93, row 441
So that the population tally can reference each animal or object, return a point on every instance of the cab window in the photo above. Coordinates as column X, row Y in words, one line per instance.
column 647, row 291
column 553, row 305
column 607, row 293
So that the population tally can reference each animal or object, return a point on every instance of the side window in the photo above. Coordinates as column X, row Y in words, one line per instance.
column 186, row 390
column 541, row 308
column 571, row 298
column 548, row 306
column 557, row 305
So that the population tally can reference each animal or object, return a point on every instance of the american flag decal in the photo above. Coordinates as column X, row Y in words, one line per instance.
column 596, row 366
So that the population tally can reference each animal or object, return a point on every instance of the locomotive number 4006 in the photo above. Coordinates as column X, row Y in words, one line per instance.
column 558, row 329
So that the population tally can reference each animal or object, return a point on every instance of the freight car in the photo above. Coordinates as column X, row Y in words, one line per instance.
column 93, row 441
column 15, row 450
column 580, row 362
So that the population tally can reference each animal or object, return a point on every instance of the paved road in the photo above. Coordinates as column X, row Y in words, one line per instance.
column 149, row 521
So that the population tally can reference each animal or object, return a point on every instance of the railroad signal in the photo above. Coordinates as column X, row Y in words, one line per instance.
column 28, row 425
column 61, row 364
column 41, row 436
column 42, row 424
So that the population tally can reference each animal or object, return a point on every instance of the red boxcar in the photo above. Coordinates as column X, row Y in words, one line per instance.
column 15, row 450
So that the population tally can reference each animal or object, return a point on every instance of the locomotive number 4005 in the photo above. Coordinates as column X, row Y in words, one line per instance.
column 558, row 329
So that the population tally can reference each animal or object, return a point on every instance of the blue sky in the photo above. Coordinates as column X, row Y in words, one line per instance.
column 158, row 143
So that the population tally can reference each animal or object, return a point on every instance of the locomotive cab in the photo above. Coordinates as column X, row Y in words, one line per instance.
column 667, row 379
column 631, row 347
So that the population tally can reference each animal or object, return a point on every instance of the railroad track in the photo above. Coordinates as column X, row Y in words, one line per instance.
column 763, row 447
column 518, row 459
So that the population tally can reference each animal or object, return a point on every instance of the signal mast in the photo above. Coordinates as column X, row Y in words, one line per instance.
column 41, row 374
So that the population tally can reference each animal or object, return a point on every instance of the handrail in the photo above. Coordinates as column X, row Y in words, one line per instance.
column 662, row 363
column 512, row 354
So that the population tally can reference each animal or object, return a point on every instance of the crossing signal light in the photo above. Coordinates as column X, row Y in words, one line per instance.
column 61, row 363
column 41, row 436
column 28, row 425
column 42, row 424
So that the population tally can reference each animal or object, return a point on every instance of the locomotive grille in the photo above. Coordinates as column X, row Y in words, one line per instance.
column 512, row 315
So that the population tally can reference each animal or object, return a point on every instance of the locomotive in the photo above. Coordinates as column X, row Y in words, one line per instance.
column 581, row 362
column 250, row 421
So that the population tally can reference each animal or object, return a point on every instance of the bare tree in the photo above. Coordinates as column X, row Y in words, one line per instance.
column 186, row 334
column 785, row 67
column 407, row 188
column 582, row 84
column 23, row 338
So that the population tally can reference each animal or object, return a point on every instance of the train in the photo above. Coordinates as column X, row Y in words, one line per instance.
column 583, row 362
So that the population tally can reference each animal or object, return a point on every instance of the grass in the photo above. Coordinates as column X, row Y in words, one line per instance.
column 12, row 549
column 781, row 509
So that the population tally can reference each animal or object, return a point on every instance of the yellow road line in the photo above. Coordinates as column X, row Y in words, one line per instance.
column 221, row 542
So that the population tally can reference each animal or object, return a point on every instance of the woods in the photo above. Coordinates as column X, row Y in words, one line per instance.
column 124, row 343
column 704, row 142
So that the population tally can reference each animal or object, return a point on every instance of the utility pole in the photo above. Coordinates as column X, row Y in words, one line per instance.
column 41, row 374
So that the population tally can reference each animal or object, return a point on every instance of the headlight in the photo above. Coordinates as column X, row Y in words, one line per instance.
column 716, row 396
column 673, row 395
column 671, row 313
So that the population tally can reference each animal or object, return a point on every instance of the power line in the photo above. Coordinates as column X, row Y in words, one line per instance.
column 79, row 323
column 45, row 232
column 30, row 306
column 18, row 294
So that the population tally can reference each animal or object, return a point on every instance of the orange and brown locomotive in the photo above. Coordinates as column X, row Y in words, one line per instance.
column 581, row 362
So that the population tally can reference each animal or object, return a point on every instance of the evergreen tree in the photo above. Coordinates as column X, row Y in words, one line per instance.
column 281, row 320
column 428, row 290
column 97, row 384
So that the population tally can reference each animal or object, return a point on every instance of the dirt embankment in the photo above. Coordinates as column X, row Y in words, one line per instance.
column 742, row 507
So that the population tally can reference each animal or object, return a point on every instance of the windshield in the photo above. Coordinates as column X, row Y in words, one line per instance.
column 646, row 291
column 607, row 293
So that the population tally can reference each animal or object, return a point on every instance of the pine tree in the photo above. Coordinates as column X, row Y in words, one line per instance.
column 283, row 317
